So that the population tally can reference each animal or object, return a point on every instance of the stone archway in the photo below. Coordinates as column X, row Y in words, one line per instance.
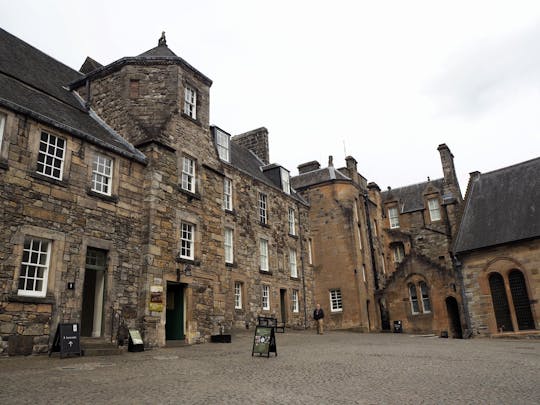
column 454, row 320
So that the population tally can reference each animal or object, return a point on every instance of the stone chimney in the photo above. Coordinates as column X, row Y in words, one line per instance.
column 256, row 141
column 451, row 183
column 352, row 169
column 308, row 167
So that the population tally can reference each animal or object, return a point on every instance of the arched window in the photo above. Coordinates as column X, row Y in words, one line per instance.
column 500, row 303
column 426, row 303
column 414, row 299
column 520, row 298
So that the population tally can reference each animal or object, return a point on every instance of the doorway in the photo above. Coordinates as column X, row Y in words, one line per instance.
column 283, row 304
column 454, row 320
column 175, row 313
column 93, row 293
column 385, row 316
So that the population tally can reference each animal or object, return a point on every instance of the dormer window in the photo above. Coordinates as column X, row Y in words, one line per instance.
column 222, row 140
column 190, row 102
column 393, row 217
column 434, row 211
column 285, row 181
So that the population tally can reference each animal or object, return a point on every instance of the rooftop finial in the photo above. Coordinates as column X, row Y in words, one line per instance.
column 330, row 160
column 162, row 41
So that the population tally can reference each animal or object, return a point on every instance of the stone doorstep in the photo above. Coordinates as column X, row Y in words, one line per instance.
column 99, row 347
column 533, row 334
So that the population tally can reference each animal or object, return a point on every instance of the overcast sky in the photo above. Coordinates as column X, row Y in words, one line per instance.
column 383, row 81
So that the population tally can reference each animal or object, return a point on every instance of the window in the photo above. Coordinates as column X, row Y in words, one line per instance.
column 292, row 263
column 292, row 222
column 263, row 216
column 102, row 174
column 434, row 211
column 190, row 102
column 51, row 156
column 227, row 194
column 229, row 258
column 383, row 265
column 34, row 268
column 295, row 304
column 2, row 128
column 393, row 216
column 263, row 249
column 222, row 143
column 414, row 299
column 285, row 181
column 187, row 241
column 335, row 300
column 399, row 252
column 310, row 255
column 237, row 295
column 364, row 273
column 426, row 304
column 266, row 297
column 188, row 174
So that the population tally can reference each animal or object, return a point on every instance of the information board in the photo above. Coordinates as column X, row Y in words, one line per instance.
column 136, row 343
column 264, row 341
column 67, row 339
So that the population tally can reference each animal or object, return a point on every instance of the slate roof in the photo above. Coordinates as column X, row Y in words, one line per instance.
column 318, row 176
column 501, row 206
column 33, row 83
column 411, row 198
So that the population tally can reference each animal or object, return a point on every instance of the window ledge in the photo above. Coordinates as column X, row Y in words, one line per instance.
column 336, row 312
column 230, row 212
column 194, row 120
column 293, row 236
column 109, row 198
column 191, row 196
column 295, row 278
column 188, row 261
column 267, row 272
column 4, row 165
column 31, row 300
column 41, row 177
column 264, row 224
column 231, row 265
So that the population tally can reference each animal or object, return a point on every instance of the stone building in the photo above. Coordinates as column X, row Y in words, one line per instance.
column 125, row 208
column 498, row 250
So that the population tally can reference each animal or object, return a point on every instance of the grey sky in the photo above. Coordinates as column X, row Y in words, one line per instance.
column 385, row 81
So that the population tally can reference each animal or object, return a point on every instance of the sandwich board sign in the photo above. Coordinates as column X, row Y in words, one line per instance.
column 264, row 341
column 67, row 339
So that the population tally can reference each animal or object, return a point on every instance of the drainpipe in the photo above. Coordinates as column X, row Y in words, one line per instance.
column 371, row 248
column 302, row 263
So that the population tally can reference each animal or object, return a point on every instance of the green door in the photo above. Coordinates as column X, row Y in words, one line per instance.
column 174, row 328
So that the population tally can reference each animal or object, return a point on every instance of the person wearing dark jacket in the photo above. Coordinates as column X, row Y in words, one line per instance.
column 318, row 315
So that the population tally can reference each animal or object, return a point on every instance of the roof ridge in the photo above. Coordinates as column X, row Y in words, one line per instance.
column 510, row 167
column 414, row 184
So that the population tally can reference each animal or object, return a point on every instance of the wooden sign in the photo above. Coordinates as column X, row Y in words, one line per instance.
column 264, row 341
column 156, row 298
column 67, row 339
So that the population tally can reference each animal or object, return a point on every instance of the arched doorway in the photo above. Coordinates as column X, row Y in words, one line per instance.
column 454, row 320
column 500, row 303
column 520, row 298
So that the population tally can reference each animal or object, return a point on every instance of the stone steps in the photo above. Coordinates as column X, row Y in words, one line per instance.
column 99, row 347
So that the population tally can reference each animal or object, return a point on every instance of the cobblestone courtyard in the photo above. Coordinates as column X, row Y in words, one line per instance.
column 338, row 367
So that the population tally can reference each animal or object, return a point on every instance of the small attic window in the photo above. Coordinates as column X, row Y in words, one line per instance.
column 285, row 181
column 222, row 140
column 134, row 88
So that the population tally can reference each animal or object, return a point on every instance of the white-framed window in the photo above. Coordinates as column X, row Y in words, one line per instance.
column 102, row 168
column 34, row 268
column 227, row 194
column 2, row 129
column 434, row 210
column 292, row 263
column 426, row 303
column 266, row 297
column 336, row 304
column 309, row 251
column 263, row 208
column 222, row 143
column 415, row 309
column 187, row 241
column 263, row 251
column 51, row 155
column 190, row 102
column 399, row 252
column 285, row 181
column 188, row 174
column 292, row 222
column 295, row 303
column 237, row 295
column 393, row 216
column 229, row 252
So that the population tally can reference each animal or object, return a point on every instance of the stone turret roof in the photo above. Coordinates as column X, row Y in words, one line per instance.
column 318, row 176
column 34, row 84
column 411, row 198
column 502, row 206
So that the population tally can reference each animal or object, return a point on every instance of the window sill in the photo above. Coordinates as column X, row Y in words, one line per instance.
column 49, row 299
column 4, row 165
column 231, row 265
column 41, row 177
column 264, row 224
column 295, row 278
column 293, row 236
column 191, row 196
column 188, row 261
column 336, row 312
column 267, row 272
column 194, row 120
column 109, row 198
column 230, row 212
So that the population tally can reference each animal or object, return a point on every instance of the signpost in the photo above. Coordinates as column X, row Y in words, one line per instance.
column 67, row 339
column 264, row 341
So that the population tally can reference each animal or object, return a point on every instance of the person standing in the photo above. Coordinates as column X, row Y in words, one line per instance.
column 318, row 315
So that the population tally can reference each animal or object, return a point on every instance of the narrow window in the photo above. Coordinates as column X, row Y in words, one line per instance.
column 188, row 174
column 51, row 156
column 292, row 263
column 263, row 249
column 383, row 265
column 187, row 241
column 229, row 258
column 292, row 222
column 266, row 297
column 190, row 102
column 434, row 211
column 34, row 268
column 399, row 252
column 285, row 181
column 393, row 216
column 2, row 129
column 426, row 303
column 335, row 300
column 134, row 88
column 364, row 273
column 500, row 303
column 237, row 295
column 414, row 299
column 521, row 300
column 263, row 214
column 295, row 304
column 309, row 251
column 102, row 174
column 227, row 194
column 222, row 143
